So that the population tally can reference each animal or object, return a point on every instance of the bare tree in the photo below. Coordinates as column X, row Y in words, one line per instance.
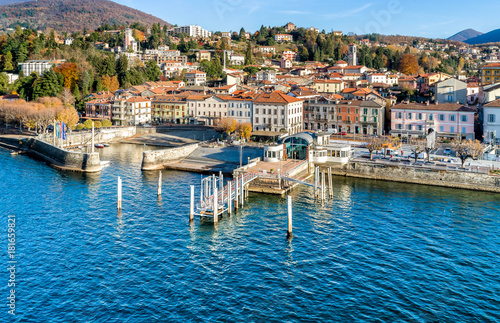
column 430, row 143
column 465, row 149
column 417, row 147
column 375, row 143
column 66, row 97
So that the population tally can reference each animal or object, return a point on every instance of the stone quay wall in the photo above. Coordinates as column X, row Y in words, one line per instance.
column 63, row 159
column 155, row 159
column 415, row 175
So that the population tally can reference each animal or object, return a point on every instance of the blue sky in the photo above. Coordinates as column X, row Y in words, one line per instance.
column 425, row 18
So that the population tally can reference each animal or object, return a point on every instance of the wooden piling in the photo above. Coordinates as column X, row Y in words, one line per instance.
column 159, row 185
column 191, row 205
column 289, row 231
column 119, row 204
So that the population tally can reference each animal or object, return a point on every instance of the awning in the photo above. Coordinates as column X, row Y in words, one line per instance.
column 267, row 133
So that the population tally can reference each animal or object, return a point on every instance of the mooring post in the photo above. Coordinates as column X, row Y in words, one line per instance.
column 159, row 184
column 221, row 179
column 289, row 231
column 229, row 198
column 92, row 136
column 330, row 182
column 216, row 202
column 242, row 190
column 201, row 190
column 323, row 187
column 119, row 193
column 236, row 205
column 191, row 205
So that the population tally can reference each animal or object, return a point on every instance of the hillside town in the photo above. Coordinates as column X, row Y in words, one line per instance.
column 280, row 80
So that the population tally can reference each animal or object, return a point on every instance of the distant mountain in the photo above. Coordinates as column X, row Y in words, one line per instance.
column 2, row 2
column 465, row 34
column 71, row 15
column 491, row 37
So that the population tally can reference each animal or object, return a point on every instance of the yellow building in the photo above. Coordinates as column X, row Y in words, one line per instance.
column 328, row 86
column 491, row 73
column 169, row 108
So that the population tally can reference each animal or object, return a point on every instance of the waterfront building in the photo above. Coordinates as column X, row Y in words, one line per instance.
column 98, row 109
column 278, row 112
column 491, row 125
column 315, row 147
column 448, row 120
column 131, row 111
column 206, row 109
column 169, row 108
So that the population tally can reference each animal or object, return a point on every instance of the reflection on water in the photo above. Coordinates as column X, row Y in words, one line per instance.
column 383, row 250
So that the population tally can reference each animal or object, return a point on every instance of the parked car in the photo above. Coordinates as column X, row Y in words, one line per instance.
column 331, row 130
column 389, row 152
column 421, row 155
column 343, row 133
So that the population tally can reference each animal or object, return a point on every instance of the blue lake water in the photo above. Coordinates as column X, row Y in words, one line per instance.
column 377, row 252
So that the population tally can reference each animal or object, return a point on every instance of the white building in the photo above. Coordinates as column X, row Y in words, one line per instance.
column 38, row 66
column 206, row 109
column 276, row 111
column 68, row 41
column 191, row 30
column 129, row 41
column 267, row 49
column 266, row 75
column 240, row 109
column 237, row 59
column 376, row 78
column 491, row 125
column 196, row 78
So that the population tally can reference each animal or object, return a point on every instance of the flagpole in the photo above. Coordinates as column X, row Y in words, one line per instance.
column 54, row 132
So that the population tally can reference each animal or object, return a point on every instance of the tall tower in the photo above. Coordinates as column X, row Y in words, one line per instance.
column 353, row 55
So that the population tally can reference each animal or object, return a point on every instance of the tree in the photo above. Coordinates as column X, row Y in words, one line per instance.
column 4, row 82
column 7, row 62
column 417, row 147
column 248, row 55
column 46, row 85
column 465, row 149
column 153, row 71
column 87, row 124
column 66, row 97
column 243, row 36
column 71, row 74
column 69, row 116
column 106, row 123
column 98, row 124
column 110, row 83
column 408, row 64
column 375, row 143
column 246, row 130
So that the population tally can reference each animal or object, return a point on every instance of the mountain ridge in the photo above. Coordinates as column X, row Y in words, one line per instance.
column 71, row 15
column 464, row 35
column 490, row 37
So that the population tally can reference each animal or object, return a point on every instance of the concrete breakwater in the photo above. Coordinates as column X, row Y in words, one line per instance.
column 155, row 159
column 416, row 175
column 102, row 135
column 64, row 159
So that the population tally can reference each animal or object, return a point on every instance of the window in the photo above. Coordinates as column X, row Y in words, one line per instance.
column 399, row 126
column 452, row 117
column 375, row 112
column 441, row 128
column 419, row 127
column 257, row 112
column 419, row 116
column 452, row 129
column 408, row 115
column 463, row 118
column 408, row 127
column 491, row 118
column 441, row 117
column 399, row 115
column 257, row 120
column 365, row 111
column 430, row 117
column 463, row 130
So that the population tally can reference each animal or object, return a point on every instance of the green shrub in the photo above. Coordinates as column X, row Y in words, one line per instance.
column 98, row 124
column 88, row 124
column 80, row 126
column 106, row 123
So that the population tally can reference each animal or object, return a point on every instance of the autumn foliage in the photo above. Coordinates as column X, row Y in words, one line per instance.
column 110, row 83
column 71, row 74
column 408, row 64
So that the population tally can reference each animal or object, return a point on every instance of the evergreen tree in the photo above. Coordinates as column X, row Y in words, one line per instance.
column 46, row 85
column 22, row 53
column 7, row 62
column 243, row 35
column 76, row 93
column 153, row 71
column 248, row 55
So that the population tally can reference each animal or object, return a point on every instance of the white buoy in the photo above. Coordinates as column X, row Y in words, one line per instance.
column 229, row 198
column 191, row 205
column 216, row 206
column 159, row 185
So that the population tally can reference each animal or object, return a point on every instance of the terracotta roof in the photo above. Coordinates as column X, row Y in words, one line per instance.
column 492, row 65
column 495, row 103
column 276, row 97
column 439, row 107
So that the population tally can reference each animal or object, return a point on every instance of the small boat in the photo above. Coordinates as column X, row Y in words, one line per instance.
column 104, row 163
column 106, row 145
column 99, row 145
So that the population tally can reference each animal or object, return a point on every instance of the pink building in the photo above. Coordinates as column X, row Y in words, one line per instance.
column 449, row 120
